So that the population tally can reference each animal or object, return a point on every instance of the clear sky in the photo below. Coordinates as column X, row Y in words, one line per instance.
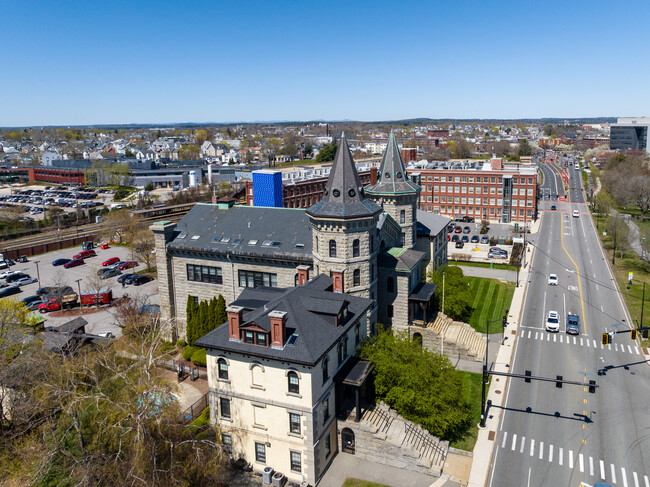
column 141, row 61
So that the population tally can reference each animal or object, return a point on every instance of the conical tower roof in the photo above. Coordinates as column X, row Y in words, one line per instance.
column 343, row 195
column 391, row 178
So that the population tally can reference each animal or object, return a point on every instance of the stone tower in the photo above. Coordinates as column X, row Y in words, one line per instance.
column 344, row 232
column 395, row 193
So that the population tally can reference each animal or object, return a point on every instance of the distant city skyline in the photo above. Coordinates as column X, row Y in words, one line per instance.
column 79, row 63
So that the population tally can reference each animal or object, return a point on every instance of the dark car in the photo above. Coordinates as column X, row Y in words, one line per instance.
column 9, row 291
column 31, row 299
column 10, row 262
column 109, row 273
column 465, row 239
column 14, row 277
column 74, row 263
column 150, row 309
column 141, row 280
column 60, row 262
column 474, row 239
column 129, row 279
column 460, row 245
column 466, row 230
column 553, row 207
column 455, row 238
column 450, row 228
column 124, row 277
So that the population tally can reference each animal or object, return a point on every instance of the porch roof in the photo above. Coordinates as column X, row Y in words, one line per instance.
column 423, row 292
column 354, row 372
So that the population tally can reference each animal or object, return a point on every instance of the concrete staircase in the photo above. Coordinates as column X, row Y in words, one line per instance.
column 383, row 436
column 459, row 335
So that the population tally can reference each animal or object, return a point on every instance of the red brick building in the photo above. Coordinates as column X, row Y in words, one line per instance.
column 44, row 174
column 409, row 155
column 437, row 133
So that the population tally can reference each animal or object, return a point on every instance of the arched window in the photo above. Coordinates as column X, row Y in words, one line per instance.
column 356, row 276
column 294, row 383
column 355, row 248
column 402, row 216
column 295, row 280
column 222, row 365
column 390, row 285
column 332, row 248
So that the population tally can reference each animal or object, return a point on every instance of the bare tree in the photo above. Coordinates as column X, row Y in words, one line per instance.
column 618, row 230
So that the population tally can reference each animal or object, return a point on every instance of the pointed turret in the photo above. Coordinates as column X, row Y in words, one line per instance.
column 343, row 195
column 392, row 173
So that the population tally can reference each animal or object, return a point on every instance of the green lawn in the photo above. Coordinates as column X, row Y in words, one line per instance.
column 360, row 483
column 472, row 393
column 486, row 265
column 491, row 300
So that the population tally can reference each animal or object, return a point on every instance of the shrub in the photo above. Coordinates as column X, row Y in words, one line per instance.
column 181, row 343
column 188, row 351
column 199, row 358
column 167, row 347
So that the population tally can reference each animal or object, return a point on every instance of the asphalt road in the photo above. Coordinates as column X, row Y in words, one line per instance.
column 565, row 436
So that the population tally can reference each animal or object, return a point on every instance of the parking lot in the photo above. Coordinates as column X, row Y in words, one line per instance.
column 479, row 251
column 80, row 278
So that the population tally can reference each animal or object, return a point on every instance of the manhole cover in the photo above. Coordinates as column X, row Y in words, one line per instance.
column 497, row 392
column 492, row 435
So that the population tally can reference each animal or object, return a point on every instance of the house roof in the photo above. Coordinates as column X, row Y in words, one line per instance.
column 310, row 321
column 430, row 224
column 391, row 178
column 343, row 196
column 277, row 233
column 399, row 259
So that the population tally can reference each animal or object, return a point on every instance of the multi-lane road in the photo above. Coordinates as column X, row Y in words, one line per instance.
column 551, row 436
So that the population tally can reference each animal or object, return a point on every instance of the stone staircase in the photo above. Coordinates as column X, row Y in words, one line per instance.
column 459, row 335
column 383, row 436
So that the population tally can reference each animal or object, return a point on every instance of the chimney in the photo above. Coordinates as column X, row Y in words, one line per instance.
column 373, row 175
column 303, row 274
column 337, row 281
column 278, row 328
column 234, row 321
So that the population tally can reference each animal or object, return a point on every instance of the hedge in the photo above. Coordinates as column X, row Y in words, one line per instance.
column 189, row 351
column 198, row 357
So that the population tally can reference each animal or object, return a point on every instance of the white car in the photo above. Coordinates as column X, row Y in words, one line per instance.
column 5, row 274
column 24, row 280
column 576, row 214
column 552, row 279
column 553, row 321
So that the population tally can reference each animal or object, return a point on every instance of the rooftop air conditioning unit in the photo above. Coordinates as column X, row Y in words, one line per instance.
column 267, row 473
column 279, row 479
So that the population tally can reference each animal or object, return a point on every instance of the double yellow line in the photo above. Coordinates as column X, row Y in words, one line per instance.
column 582, row 303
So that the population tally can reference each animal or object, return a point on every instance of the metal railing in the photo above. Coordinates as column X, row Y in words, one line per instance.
column 423, row 442
column 195, row 409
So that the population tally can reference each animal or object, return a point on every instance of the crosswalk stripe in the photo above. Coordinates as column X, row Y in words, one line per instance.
column 629, row 348
column 548, row 338
column 554, row 337
column 582, row 463
column 602, row 346
column 595, row 344
column 514, row 441
column 591, row 466
column 574, row 340
column 602, row 470
column 523, row 442
column 647, row 482
column 541, row 450
column 561, row 456
column 561, row 338
column 616, row 347
column 571, row 459
column 550, row 453
column 536, row 333
column 636, row 479
column 624, row 476
column 636, row 349
column 503, row 443
column 613, row 473
column 532, row 447
column 529, row 332
column 609, row 346
column 581, row 343
column 588, row 342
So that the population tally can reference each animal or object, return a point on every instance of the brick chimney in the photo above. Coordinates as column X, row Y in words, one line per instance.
column 278, row 328
column 234, row 321
column 337, row 282
column 303, row 274
column 373, row 175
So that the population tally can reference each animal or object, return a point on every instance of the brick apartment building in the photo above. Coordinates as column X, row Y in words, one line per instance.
column 482, row 190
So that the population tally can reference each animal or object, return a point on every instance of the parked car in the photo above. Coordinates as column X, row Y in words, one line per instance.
column 572, row 324
column 552, row 279
column 131, row 278
column 123, row 277
column 74, row 263
column 9, row 291
column 84, row 254
column 466, row 230
column 139, row 280
column 455, row 238
column 116, row 265
column 51, row 305
column 109, row 273
column 460, row 245
column 450, row 228
column 474, row 239
column 465, row 239
column 58, row 262
column 5, row 274
column 111, row 261
column 485, row 239
column 458, row 230
column 32, row 302
column 553, row 207
column 15, row 276
column 24, row 281
column 127, row 265
column 552, row 321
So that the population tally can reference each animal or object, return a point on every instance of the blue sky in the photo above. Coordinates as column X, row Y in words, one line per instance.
column 85, row 62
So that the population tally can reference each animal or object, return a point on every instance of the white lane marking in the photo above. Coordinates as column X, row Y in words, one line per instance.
column 609, row 346
column 554, row 338
column 574, row 340
column 591, row 466
column 523, row 442
column 624, row 476
column 602, row 470
column 581, row 343
column 550, row 453
column 541, row 450
column 647, row 482
column 602, row 346
column 582, row 463
column 529, row 469
column 636, row 479
column 596, row 287
column 571, row 459
column 588, row 343
column 561, row 456
column 548, row 338
column 529, row 332
column 613, row 473
column 601, row 308
column 514, row 441
column 616, row 347
column 503, row 443
column 532, row 448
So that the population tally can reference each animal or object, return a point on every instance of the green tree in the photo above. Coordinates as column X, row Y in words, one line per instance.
column 200, row 136
column 290, row 150
column 525, row 149
column 420, row 385
column 222, row 315
column 149, row 186
column 212, row 314
column 190, row 312
column 327, row 153
column 458, row 298
column 189, row 152
column 203, row 317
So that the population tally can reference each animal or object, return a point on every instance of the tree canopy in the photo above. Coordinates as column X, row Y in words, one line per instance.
column 327, row 153
column 458, row 297
column 420, row 385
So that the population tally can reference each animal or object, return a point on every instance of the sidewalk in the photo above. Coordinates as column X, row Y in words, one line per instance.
column 484, row 448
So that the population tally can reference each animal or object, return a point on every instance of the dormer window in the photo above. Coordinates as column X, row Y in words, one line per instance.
column 261, row 339
column 249, row 337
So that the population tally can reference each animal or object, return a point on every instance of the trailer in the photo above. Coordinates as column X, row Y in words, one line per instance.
column 102, row 297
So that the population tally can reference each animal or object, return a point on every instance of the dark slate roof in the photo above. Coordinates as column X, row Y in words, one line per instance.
column 430, row 223
column 391, row 178
column 77, row 325
column 423, row 292
column 343, row 196
column 399, row 259
column 286, row 231
column 316, row 331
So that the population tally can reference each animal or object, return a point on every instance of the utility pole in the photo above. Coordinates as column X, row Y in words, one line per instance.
column 642, row 301
column 38, row 274
column 443, row 292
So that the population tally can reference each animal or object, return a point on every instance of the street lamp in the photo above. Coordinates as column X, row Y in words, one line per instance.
column 485, row 366
column 78, row 281
column 38, row 274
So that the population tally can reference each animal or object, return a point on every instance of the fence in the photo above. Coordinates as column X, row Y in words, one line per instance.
column 195, row 409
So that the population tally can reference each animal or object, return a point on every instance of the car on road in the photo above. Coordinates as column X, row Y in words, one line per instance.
column 572, row 324
column 9, row 291
column 460, row 244
column 109, row 273
column 552, row 279
column 466, row 230
column 139, row 280
column 552, row 321
column 474, row 239
column 553, row 207
column 58, row 262
column 24, row 281
column 458, row 229
column 127, row 265
column 485, row 239
column 74, row 263
column 84, row 254
column 576, row 214
column 111, row 261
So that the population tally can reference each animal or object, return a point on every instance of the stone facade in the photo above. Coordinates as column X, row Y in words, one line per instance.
column 393, row 299
column 394, row 205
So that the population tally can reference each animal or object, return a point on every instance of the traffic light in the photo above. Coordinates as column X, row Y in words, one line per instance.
column 633, row 334
column 558, row 382
column 592, row 386
column 604, row 339
column 528, row 374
